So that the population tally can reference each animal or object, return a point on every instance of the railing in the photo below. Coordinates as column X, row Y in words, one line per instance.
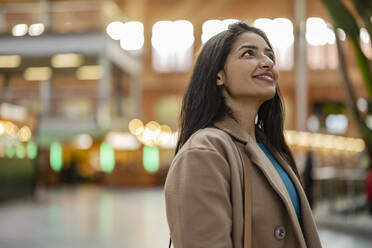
column 60, row 17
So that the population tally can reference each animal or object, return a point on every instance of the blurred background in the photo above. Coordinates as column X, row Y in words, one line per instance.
column 91, row 90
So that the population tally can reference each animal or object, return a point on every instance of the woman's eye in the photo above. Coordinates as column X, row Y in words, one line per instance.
column 271, row 56
column 248, row 53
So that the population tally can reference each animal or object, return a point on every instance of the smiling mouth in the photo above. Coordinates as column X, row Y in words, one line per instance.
column 264, row 77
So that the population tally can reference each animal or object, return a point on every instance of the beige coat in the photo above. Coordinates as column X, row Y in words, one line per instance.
column 204, row 194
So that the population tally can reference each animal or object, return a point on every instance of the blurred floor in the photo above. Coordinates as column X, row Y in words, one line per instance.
column 91, row 216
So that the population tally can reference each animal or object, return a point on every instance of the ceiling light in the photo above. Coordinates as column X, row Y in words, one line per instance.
column 67, row 60
column 37, row 73
column 36, row 29
column 10, row 61
column 89, row 72
column 19, row 30
column 115, row 30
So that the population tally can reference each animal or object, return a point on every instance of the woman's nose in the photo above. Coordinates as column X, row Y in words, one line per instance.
column 266, row 63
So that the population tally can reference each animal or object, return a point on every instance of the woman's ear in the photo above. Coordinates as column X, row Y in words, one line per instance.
column 220, row 78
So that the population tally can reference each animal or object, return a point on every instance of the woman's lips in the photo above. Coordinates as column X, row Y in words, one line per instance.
column 265, row 77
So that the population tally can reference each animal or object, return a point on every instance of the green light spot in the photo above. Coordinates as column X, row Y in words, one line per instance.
column 10, row 151
column 20, row 151
column 106, row 157
column 31, row 149
column 56, row 156
column 151, row 158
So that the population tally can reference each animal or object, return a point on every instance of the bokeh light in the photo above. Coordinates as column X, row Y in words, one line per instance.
column 20, row 30
column 172, row 44
column 132, row 37
column 106, row 157
column 136, row 126
column 24, row 134
column 151, row 158
column 115, row 30
column 36, row 29
column 20, row 151
column 31, row 150
column 56, row 156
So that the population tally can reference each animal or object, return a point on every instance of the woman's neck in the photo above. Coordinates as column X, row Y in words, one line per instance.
column 245, row 111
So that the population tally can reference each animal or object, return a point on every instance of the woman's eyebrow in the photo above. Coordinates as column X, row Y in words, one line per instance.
column 254, row 47
column 248, row 46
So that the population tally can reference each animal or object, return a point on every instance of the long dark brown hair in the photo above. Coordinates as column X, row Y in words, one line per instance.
column 204, row 104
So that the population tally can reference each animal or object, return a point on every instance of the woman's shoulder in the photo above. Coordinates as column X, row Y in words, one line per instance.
column 209, row 138
column 207, row 150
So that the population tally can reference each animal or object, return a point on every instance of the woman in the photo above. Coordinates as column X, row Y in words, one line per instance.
column 233, row 181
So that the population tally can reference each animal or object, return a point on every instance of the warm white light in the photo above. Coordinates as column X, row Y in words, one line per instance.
column 24, row 134
column 317, row 33
column 288, row 134
column 169, row 36
column 362, row 104
column 132, row 36
column 313, row 123
column 364, row 36
column 67, row 60
column 10, row 61
column 336, row 124
column 341, row 34
column 358, row 145
column 165, row 129
column 82, row 141
column 37, row 73
column 89, row 72
column 19, row 30
column 316, row 140
column 152, row 130
column 265, row 24
column 213, row 27
column 136, row 126
column 324, row 141
column 2, row 128
column 161, row 35
column 365, row 43
column 331, row 36
column 369, row 121
column 122, row 141
column 227, row 22
column 13, row 112
column 303, row 139
column 115, row 30
column 150, row 134
column 172, row 45
column 282, row 33
column 279, row 31
column 10, row 128
column 168, row 140
column 183, row 34
column 36, row 29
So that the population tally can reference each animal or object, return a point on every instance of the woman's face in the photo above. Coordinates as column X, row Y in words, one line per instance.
column 250, row 69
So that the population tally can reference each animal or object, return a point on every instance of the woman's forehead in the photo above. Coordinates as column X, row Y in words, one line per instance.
column 250, row 38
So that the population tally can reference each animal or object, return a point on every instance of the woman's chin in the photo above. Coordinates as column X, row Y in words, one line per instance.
column 268, row 95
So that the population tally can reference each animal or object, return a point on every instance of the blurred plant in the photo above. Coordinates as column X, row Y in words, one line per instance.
column 344, row 19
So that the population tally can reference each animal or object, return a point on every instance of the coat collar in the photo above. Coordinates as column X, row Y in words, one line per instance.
column 258, row 158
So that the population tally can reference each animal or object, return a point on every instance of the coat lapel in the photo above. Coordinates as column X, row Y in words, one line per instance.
column 259, row 159
column 307, row 218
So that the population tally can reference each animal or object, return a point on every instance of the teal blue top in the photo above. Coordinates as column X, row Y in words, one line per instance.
column 286, row 179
